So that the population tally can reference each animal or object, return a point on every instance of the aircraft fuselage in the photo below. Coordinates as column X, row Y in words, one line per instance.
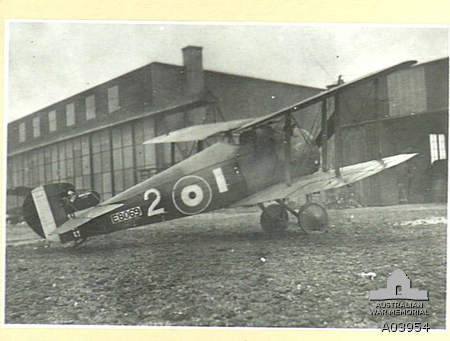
column 215, row 178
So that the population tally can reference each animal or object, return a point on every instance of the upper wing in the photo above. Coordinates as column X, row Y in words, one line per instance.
column 321, row 96
column 201, row 132
column 321, row 181
column 198, row 132
column 82, row 217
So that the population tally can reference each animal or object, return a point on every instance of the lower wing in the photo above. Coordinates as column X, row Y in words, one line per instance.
column 321, row 181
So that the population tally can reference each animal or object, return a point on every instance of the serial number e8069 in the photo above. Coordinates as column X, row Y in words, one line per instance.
column 405, row 327
column 122, row 216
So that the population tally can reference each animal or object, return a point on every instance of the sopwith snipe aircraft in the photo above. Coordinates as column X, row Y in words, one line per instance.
column 255, row 161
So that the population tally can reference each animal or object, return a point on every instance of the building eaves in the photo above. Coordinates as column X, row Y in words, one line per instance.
column 431, row 61
column 93, row 88
column 242, row 76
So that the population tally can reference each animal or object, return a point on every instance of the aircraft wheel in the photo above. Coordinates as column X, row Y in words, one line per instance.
column 313, row 217
column 274, row 219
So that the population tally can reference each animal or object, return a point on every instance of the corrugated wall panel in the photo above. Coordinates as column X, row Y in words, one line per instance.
column 407, row 92
column 436, row 80
column 128, row 157
column 128, row 178
column 87, row 184
column 167, row 84
column 138, row 146
column 98, row 183
column 149, row 149
column 118, row 180
column 358, row 104
column 107, row 185
column 356, row 150
column 241, row 97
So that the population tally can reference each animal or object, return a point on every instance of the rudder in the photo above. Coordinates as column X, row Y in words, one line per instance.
column 44, row 211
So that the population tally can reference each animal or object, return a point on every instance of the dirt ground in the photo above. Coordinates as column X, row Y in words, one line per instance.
column 219, row 269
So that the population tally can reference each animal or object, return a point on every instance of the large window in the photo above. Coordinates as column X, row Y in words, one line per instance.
column 70, row 114
column 90, row 107
column 52, row 120
column 22, row 132
column 437, row 147
column 113, row 98
column 36, row 127
column 101, row 163
column 123, row 164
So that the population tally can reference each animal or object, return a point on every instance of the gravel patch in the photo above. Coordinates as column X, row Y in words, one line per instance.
column 220, row 270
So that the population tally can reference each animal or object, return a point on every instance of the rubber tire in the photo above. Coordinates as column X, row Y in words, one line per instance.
column 310, row 222
column 274, row 219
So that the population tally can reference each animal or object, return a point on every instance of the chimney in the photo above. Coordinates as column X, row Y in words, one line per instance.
column 193, row 68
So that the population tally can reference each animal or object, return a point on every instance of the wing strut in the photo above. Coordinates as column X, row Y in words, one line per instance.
column 287, row 148
column 172, row 153
column 337, row 137
column 324, row 136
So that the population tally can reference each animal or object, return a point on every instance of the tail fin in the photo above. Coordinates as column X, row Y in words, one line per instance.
column 44, row 211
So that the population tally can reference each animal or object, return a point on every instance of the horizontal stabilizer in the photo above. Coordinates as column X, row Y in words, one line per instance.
column 321, row 181
column 198, row 132
column 70, row 225
column 82, row 217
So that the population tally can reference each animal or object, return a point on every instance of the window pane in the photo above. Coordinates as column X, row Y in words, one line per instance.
column 113, row 98
column 36, row 127
column 52, row 120
column 128, row 178
column 22, row 132
column 433, row 147
column 107, row 186
column 90, row 107
column 70, row 114
column 442, row 151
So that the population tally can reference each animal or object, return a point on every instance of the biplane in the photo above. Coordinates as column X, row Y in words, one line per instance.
column 255, row 162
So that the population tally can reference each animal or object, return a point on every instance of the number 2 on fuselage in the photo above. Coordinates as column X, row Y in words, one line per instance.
column 152, row 210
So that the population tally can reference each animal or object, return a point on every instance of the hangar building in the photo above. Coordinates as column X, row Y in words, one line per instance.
column 403, row 112
column 94, row 138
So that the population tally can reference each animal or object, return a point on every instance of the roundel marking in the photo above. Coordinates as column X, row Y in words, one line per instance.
column 191, row 194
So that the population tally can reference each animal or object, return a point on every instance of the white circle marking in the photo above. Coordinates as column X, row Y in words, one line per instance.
column 192, row 195
column 201, row 209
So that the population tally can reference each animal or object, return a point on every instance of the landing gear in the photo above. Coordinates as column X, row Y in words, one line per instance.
column 78, row 242
column 274, row 218
column 75, row 243
column 311, row 217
